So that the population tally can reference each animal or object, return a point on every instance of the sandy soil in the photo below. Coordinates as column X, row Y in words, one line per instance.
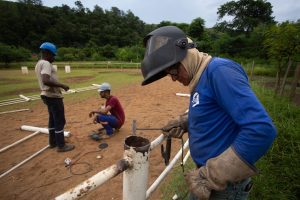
column 45, row 176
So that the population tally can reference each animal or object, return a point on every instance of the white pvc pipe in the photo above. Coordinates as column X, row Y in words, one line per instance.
column 183, row 95
column 42, row 130
column 19, row 141
column 157, row 141
column 13, row 111
column 92, row 183
column 166, row 171
column 5, row 100
column 186, row 157
column 25, row 98
column 24, row 161
column 12, row 102
column 135, row 179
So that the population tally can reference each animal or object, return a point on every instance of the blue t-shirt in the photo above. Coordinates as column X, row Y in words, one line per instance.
column 224, row 112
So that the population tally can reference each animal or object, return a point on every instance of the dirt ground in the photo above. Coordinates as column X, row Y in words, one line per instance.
column 45, row 176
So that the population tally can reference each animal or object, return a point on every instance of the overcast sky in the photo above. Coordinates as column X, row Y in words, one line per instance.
column 155, row 11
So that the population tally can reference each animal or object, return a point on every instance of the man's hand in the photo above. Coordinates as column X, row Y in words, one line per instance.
column 176, row 128
column 65, row 87
column 91, row 114
column 226, row 168
column 95, row 120
column 197, row 182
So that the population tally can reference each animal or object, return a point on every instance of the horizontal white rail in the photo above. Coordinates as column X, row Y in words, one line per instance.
column 157, row 141
column 105, row 175
column 19, row 141
column 24, row 99
column 156, row 183
column 13, row 111
column 93, row 182
column 24, row 161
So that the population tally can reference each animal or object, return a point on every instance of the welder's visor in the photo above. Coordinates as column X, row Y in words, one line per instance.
column 154, row 43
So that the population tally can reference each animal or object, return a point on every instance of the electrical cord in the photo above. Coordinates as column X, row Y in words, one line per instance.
column 70, row 170
column 71, row 164
column 90, row 168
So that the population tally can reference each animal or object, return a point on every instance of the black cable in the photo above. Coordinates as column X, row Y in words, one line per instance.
column 80, row 163
column 182, row 152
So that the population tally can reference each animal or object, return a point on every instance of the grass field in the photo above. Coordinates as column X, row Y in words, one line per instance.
column 13, row 82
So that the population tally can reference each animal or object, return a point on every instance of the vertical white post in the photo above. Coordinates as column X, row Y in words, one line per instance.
column 135, row 179
column 24, row 70
column 55, row 67
column 68, row 69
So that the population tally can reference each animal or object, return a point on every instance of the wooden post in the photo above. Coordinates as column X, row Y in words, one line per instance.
column 295, row 82
column 285, row 77
column 252, row 70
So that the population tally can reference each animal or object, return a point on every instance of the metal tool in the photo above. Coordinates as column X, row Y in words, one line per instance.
column 134, row 128
column 166, row 154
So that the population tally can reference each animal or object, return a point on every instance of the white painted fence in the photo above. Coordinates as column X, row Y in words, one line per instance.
column 135, row 164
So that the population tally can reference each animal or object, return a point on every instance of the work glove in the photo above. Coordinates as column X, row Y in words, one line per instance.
column 223, row 169
column 176, row 128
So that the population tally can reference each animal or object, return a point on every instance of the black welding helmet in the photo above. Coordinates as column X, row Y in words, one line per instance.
column 165, row 47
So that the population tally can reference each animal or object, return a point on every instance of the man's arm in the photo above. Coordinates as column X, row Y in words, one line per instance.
column 101, row 111
column 51, row 83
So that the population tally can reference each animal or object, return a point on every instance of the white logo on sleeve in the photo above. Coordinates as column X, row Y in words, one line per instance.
column 195, row 100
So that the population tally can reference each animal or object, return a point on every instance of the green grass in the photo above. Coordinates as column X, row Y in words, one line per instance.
column 13, row 82
column 279, row 168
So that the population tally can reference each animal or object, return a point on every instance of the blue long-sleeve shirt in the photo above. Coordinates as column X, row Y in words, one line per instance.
column 224, row 112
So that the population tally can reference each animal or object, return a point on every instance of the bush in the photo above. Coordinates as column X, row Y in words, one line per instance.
column 10, row 54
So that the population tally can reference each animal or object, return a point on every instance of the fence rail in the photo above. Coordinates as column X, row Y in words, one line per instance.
column 135, row 168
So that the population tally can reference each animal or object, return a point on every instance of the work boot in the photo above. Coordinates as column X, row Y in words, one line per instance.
column 67, row 147
column 52, row 146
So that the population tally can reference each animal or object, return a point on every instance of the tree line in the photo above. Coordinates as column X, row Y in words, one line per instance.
column 98, row 34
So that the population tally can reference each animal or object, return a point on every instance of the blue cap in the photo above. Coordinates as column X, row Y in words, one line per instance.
column 50, row 47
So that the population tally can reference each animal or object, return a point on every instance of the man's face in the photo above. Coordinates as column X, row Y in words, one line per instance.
column 178, row 73
column 101, row 94
column 51, row 58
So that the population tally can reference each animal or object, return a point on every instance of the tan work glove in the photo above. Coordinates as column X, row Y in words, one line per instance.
column 176, row 128
column 227, row 167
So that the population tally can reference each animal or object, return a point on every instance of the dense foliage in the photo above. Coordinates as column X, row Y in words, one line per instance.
column 82, row 34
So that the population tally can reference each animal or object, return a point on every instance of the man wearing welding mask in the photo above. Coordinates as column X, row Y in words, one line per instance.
column 228, row 127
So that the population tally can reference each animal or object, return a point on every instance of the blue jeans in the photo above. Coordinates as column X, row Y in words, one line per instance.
column 56, row 121
column 237, row 191
column 111, row 122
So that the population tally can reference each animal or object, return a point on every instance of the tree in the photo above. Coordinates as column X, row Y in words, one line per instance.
column 283, row 43
column 246, row 14
column 196, row 28
column 32, row 2
column 10, row 53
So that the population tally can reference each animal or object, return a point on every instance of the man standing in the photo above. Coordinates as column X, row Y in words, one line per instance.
column 228, row 127
column 52, row 97
column 116, row 118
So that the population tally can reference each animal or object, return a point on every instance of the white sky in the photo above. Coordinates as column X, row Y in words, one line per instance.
column 155, row 11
